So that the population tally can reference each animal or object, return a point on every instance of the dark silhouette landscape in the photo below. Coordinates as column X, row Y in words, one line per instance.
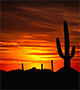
column 65, row 78
column 40, row 79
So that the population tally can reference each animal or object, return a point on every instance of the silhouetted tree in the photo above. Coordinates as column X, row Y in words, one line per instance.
column 66, row 57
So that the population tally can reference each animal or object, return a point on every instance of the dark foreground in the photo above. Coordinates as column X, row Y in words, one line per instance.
column 40, row 79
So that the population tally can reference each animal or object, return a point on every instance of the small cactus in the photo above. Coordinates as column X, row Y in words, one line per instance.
column 52, row 65
column 22, row 67
column 66, row 57
column 41, row 66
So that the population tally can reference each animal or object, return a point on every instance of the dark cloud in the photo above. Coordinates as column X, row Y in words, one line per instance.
column 34, row 46
column 76, row 60
column 8, row 46
column 75, row 33
column 21, row 60
column 4, row 49
column 75, row 23
column 37, row 16
column 53, row 57
column 42, row 53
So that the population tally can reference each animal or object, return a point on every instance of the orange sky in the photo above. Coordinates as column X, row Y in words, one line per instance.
column 29, row 31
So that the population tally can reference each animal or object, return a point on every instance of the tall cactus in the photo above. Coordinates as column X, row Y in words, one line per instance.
column 66, row 57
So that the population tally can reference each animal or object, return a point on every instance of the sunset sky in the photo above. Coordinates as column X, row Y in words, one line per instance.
column 29, row 30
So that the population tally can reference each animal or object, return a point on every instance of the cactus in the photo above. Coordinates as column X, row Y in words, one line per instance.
column 41, row 66
column 66, row 57
column 52, row 65
column 22, row 67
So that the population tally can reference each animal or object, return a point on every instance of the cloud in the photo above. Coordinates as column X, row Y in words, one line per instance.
column 75, row 33
column 42, row 53
column 4, row 49
column 37, row 16
column 34, row 46
column 8, row 46
column 9, row 59
column 20, row 60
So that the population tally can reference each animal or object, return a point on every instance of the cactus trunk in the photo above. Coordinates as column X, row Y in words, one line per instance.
column 66, row 36
column 67, row 63
column 66, row 57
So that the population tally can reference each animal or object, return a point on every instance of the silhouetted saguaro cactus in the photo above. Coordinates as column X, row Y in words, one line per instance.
column 22, row 67
column 66, row 57
column 41, row 66
column 52, row 65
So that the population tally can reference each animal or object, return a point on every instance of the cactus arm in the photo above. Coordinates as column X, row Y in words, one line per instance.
column 59, row 48
column 72, row 52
